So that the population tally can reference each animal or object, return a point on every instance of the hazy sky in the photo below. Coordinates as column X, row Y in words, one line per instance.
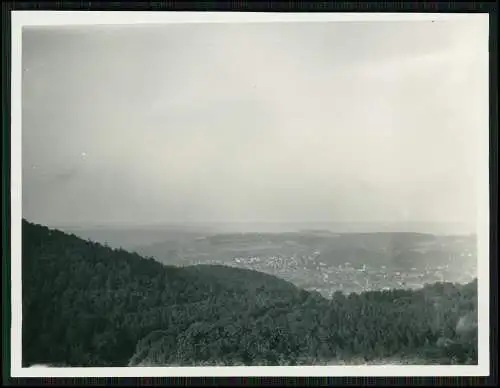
column 339, row 121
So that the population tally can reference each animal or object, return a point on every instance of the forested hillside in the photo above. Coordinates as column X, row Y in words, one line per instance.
column 89, row 305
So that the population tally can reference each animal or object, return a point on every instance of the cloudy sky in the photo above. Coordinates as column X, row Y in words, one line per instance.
column 324, row 121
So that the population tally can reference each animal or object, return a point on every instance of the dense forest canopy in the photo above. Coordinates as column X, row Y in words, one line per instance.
column 85, row 304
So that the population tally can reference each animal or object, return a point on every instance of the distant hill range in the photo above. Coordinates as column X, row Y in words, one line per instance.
column 381, row 248
column 135, row 236
column 85, row 304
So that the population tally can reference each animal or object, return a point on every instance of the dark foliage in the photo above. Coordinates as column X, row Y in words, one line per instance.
column 89, row 305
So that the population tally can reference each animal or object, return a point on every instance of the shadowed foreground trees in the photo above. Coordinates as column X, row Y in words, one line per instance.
column 89, row 305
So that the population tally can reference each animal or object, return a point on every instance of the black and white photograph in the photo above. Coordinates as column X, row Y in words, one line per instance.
column 201, row 190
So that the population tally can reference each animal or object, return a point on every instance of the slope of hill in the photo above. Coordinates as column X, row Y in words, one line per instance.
column 89, row 305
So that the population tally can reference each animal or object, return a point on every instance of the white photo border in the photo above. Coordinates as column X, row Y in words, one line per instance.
column 22, row 19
